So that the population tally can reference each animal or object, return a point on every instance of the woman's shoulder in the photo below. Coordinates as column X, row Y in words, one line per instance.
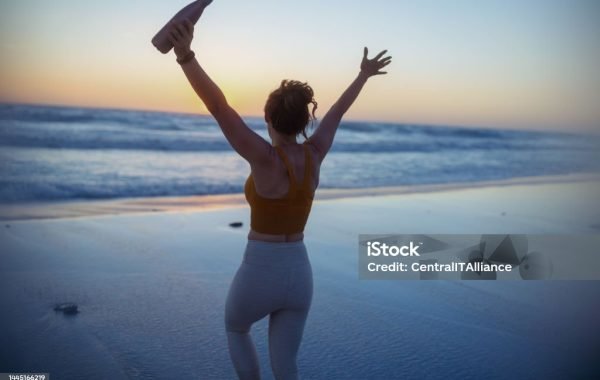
column 314, row 151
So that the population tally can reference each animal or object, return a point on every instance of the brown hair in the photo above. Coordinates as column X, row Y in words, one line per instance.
column 287, row 107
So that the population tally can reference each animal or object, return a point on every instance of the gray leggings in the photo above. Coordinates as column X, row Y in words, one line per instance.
column 274, row 279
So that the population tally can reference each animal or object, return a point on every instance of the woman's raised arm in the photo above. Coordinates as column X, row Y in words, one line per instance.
column 244, row 140
column 322, row 138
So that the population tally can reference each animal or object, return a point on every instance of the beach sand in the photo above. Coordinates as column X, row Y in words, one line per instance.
column 151, row 285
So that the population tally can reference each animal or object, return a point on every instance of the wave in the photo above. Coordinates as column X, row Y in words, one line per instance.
column 198, row 142
column 78, row 128
column 25, row 191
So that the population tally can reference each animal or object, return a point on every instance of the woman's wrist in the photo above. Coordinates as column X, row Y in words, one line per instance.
column 185, row 57
column 363, row 75
column 181, row 52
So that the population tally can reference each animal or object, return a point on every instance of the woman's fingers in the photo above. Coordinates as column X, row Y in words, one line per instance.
column 384, row 64
column 173, row 40
column 174, row 37
column 173, row 32
column 181, row 30
column 379, row 55
column 188, row 26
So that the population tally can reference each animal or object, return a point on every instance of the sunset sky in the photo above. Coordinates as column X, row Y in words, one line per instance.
column 509, row 63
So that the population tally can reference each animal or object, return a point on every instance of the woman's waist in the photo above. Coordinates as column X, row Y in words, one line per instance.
column 270, row 253
column 275, row 238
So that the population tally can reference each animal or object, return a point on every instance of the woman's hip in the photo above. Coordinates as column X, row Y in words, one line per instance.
column 271, row 276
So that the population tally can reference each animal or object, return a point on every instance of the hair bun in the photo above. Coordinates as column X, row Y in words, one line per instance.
column 297, row 91
column 287, row 107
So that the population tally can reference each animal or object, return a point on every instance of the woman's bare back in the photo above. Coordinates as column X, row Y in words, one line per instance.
column 271, row 179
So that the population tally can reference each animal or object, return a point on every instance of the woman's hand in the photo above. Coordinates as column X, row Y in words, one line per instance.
column 373, row 66
column 181, row 35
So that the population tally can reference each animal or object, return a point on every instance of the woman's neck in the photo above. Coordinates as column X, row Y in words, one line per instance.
column 281, row 140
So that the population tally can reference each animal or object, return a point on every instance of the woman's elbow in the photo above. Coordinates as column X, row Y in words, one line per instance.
column 214, row 109
column 217, row 107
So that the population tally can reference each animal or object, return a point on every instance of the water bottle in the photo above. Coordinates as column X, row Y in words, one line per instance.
column 192, row 12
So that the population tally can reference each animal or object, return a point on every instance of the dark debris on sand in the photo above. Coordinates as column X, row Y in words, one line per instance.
column 67, row 308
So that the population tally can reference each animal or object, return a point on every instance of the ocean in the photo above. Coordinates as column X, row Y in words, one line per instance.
column 50, row 153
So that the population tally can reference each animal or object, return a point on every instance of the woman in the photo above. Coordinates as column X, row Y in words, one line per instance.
column 275, row 277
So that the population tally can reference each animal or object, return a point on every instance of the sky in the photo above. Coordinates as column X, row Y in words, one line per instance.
column 524, row 64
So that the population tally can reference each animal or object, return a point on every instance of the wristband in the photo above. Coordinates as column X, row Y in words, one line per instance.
column 186, row 58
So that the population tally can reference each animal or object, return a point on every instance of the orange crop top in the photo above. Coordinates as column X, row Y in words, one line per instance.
column 287, row 215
